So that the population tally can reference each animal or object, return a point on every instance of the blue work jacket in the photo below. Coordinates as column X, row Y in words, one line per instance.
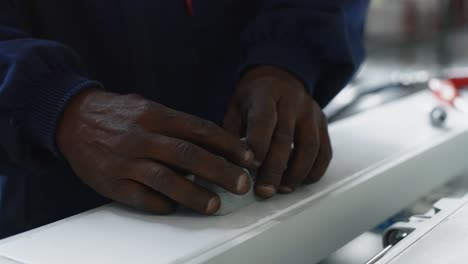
column 184, row 54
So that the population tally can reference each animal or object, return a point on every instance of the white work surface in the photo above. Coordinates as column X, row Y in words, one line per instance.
column 383, row 160
column 440, row 239
column 445, row 244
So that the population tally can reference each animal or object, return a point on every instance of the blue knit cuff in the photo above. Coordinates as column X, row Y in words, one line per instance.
column 49, row 106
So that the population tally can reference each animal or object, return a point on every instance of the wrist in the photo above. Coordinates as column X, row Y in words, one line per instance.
column 272, row 75
column 68, row 123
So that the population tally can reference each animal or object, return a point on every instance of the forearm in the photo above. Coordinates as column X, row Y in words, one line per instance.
column 37, row 79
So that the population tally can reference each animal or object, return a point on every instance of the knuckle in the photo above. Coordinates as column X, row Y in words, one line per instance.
column 283, row 136
column 134, row 144
column 158, row 177
column 166, row 115
column 262, row 120
column 142, row 110
column 144, row 107
column 185, row 152
column 201, row 128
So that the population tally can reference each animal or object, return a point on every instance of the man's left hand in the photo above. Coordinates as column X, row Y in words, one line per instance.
column 272, row 109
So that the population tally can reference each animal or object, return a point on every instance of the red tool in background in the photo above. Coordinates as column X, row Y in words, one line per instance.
column 450, row 92
column 189, row 6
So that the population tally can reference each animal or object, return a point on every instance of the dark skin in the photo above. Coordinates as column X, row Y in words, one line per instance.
column 273, row 110
column 137, row 152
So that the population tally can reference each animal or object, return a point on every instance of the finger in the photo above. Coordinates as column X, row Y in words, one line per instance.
column 208, row 134
column 277, row 158
column 141, row 197
column 176, row 187
column 233, row 122
column 192, row 158
column 261, row 122
column 324, row 155
column 306, row 148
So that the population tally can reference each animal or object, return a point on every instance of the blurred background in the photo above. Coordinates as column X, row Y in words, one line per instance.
column 418, row 33
column 408, row 42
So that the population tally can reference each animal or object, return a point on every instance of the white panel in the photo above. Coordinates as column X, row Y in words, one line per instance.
column 384, row 160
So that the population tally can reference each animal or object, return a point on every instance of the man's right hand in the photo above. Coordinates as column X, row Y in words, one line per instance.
column 137, row 152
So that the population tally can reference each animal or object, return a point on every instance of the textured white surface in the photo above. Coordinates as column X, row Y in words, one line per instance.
column 384, row 160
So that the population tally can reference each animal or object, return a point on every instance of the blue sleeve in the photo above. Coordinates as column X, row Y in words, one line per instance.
column 320, row 41
column 37, row 79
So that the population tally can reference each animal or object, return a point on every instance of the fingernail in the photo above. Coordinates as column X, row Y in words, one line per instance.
column 248, row 156
column 257, row 164
column 285, row 189
column 243, row 184
column 265, row 191
column 213, row 205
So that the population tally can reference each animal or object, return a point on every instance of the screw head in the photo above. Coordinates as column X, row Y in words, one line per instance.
column 438, row 116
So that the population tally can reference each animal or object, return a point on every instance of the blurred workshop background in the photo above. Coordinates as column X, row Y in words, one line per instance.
column 408, row 42
column 418, row 33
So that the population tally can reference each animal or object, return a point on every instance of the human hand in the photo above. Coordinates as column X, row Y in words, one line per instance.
column 273, row 110
column 137, row 152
